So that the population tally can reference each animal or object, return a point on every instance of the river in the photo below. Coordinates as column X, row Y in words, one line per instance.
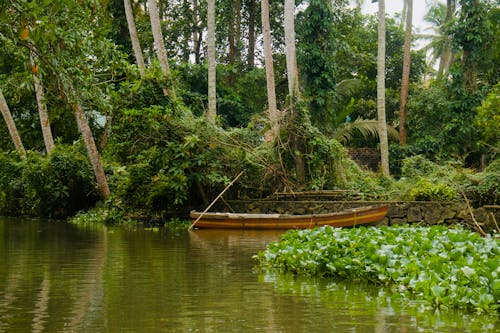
column 59, row 277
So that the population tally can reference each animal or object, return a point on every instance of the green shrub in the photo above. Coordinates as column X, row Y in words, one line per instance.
column 58, row 185
column 11, row 187
column 427, row 190
column 55, row 186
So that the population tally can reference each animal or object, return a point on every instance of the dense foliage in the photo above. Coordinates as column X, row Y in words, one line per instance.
column 162, row 157
column 56, row 186
column 440, row 266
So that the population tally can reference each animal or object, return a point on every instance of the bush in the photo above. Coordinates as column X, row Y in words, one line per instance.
column 11, row 187
column 55, row 186
column 426, row 190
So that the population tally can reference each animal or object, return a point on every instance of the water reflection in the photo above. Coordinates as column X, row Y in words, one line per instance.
column 59, row 277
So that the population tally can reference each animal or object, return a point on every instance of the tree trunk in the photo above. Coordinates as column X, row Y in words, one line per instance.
column 161, row 53
column 384, row 144
column 196, row 32
column 251, row 33
column 212, row 99
column 234, row 32
column 88, row 139
column 268, row 59
column 134, row 38
column 42, row 108
column 14, row 134
column 291, row 59
column 406, row 73
column 293, row 87
column 94, row 157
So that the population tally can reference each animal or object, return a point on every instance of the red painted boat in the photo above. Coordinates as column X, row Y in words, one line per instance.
column 368, row 215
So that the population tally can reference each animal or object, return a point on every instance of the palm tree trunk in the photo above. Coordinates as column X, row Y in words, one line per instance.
column 212, row 99
column 268, row 59
column 384, row 144
column 88, row 139
column 134, row 38
column 196, row 33
column 16, row 138
column 161, row 53
column 251, row 34
column 293, row 87
column 42, row 108
column 94, row 157
column 291, row 58
column 406, row 73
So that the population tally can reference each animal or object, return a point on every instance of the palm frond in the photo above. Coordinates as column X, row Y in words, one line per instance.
column 367, row 128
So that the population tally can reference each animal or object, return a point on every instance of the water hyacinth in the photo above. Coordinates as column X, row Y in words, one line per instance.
column 445, row 267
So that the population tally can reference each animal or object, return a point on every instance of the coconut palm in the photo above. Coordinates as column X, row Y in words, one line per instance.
column 134, row 38
column 384, row 144
column 161, row 53
column 212, row 98
column 268, row 59
column 439, row 45
column 406, row 72
column 11, row 125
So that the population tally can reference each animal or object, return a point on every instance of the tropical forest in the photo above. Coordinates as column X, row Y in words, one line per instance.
column 131, row 114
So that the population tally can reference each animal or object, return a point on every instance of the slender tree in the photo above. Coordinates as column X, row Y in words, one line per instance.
column 212, row 99
column 42, row 107
column 161, row 53
column 11, row 126
column 251, row 4
column 291, row 55
column 94, row 157
column 268, row 60
column 384, row 144
column 406, row 73
column 197, row 35
column 134, row 38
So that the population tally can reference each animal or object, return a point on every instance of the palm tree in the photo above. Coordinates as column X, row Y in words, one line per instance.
column 42, row 108
column 16, row 138
column 88, row 139
column 134, row 38
column 406, row 73
column 384, row 144
column 161, row 53
column 212, row 98
column 440, row 42
column 268, row 56
column 291, row 58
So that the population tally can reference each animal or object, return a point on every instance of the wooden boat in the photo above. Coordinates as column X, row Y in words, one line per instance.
column 368, row 215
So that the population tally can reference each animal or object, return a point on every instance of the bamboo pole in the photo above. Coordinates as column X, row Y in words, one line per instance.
column 215, row 200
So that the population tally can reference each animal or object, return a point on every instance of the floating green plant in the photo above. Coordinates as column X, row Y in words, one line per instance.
column 444, row 267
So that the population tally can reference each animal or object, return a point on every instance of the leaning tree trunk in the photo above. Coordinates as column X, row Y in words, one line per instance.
column 11, row 126
column 406, row 74
column 384, row 144
column 161, row 53
column 212, row 99
column 134, row 38
column 93, row 154
column 42, row 108
column 268, row 59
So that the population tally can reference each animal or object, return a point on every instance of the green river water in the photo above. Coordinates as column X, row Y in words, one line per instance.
column 58, row 277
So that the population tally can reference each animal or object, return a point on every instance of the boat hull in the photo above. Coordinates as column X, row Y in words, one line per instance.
column 348, row 218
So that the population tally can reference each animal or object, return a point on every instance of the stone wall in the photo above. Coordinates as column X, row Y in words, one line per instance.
column 400, row 212
column 367, row 157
